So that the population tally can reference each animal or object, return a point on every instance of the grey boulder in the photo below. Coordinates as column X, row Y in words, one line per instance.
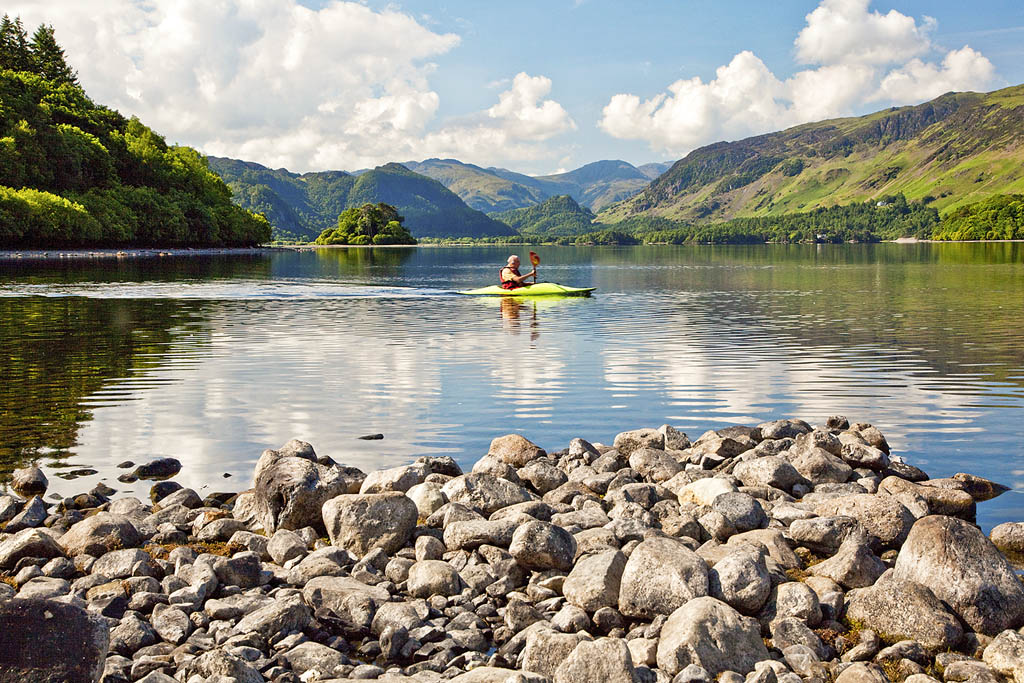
column 604, row 659
column 45, row 640
column 660, row 575
column 485, row 493
column 711, row 634
column 433, row 577
column 291, row 487
column 964, row 570
column 99, row 534
column 595, row 581
column 542, row 545
column 515, row 450
column 907, row 609
column 361, row 522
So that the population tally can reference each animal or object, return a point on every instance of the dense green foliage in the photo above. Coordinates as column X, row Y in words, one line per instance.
column 957, row 149
column 301, row 206
column 556, row 216
column 998, row 218
column 368, row 224
column 73, row 173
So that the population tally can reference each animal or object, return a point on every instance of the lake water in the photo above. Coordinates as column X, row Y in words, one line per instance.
column 211, row 360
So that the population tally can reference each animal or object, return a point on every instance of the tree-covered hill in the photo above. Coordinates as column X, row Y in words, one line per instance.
column 557, row 216
column 301, row 206
column 957, row 149
column 77, row 174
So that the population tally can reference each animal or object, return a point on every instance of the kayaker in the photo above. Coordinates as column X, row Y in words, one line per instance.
column 509, row 276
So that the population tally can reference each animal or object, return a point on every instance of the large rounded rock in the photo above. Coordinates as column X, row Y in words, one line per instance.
column 704, row 491
column 819, row 466
column 546, row 649
column 741, row 579
column 742, row 510
column 604, row 659
column 285, row 614
column 1005, row 655
column 29, row 481
column 940, row 501
column 44, row 640
column 886, row 520
column 1009, row 537
column 433, row 577
column 712, row 635
column 771, row 470
column 361, row 522
column 515, row 450
column 904, row 610
column 348, row 602
column 627, row 442
column 100, row 534
column 595, row 581
column 964, row 570
column 484, row 492
column 291, row 487
column 28, row 543
column 661, row 575
column 542, row 545
column 654, row 465
column 473, row 533
column 395, row 478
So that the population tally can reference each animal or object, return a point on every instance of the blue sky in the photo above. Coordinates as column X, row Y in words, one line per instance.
column 533, row 86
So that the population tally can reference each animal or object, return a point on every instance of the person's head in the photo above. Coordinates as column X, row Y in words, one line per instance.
column 513, row 261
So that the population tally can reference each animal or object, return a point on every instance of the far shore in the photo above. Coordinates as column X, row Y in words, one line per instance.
column 131, row 252
column 155, row 252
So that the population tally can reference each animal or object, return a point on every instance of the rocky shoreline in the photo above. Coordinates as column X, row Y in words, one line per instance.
column 126, row 253
column 781, row 553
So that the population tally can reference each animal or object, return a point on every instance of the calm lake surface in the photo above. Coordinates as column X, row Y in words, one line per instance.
column 211, row 360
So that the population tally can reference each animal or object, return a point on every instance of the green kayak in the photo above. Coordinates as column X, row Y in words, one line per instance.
column 539, row 289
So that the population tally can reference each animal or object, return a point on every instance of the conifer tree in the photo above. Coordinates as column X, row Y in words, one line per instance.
column 21, row 56
column 48, row 57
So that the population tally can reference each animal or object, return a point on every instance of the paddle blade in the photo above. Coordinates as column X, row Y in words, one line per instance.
column 534, row 259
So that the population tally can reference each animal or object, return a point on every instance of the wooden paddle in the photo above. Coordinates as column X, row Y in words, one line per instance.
column 535, row 261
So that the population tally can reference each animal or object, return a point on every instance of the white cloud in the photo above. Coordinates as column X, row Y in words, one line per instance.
column 861, row 57
column 340, row 87
column 963, row 69
column 844, row 31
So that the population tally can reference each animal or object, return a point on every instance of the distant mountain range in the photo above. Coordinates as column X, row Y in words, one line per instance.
column 957, row 149
column 491, row 190
column 300, row 206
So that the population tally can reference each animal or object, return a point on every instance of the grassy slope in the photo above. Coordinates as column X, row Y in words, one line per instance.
column 557, row 216
column 959, row 149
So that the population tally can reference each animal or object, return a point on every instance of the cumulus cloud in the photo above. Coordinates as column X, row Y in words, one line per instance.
column 343, row 86
column 844, row 31
column 859, row 56
column 963, row 69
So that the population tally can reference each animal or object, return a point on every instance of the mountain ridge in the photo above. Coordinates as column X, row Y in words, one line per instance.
column 302, row 205
column 956, row 149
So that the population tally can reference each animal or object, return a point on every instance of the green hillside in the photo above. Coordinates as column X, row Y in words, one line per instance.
column 480, row 188
column 955, row 150
column 558, row 216
column 76, row 174
column 492, row 190
column 301, row 206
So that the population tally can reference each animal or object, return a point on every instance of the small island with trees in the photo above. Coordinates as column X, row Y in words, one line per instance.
column 369, row 224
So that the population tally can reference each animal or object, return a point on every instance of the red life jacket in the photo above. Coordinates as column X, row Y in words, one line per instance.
column 509, row 284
